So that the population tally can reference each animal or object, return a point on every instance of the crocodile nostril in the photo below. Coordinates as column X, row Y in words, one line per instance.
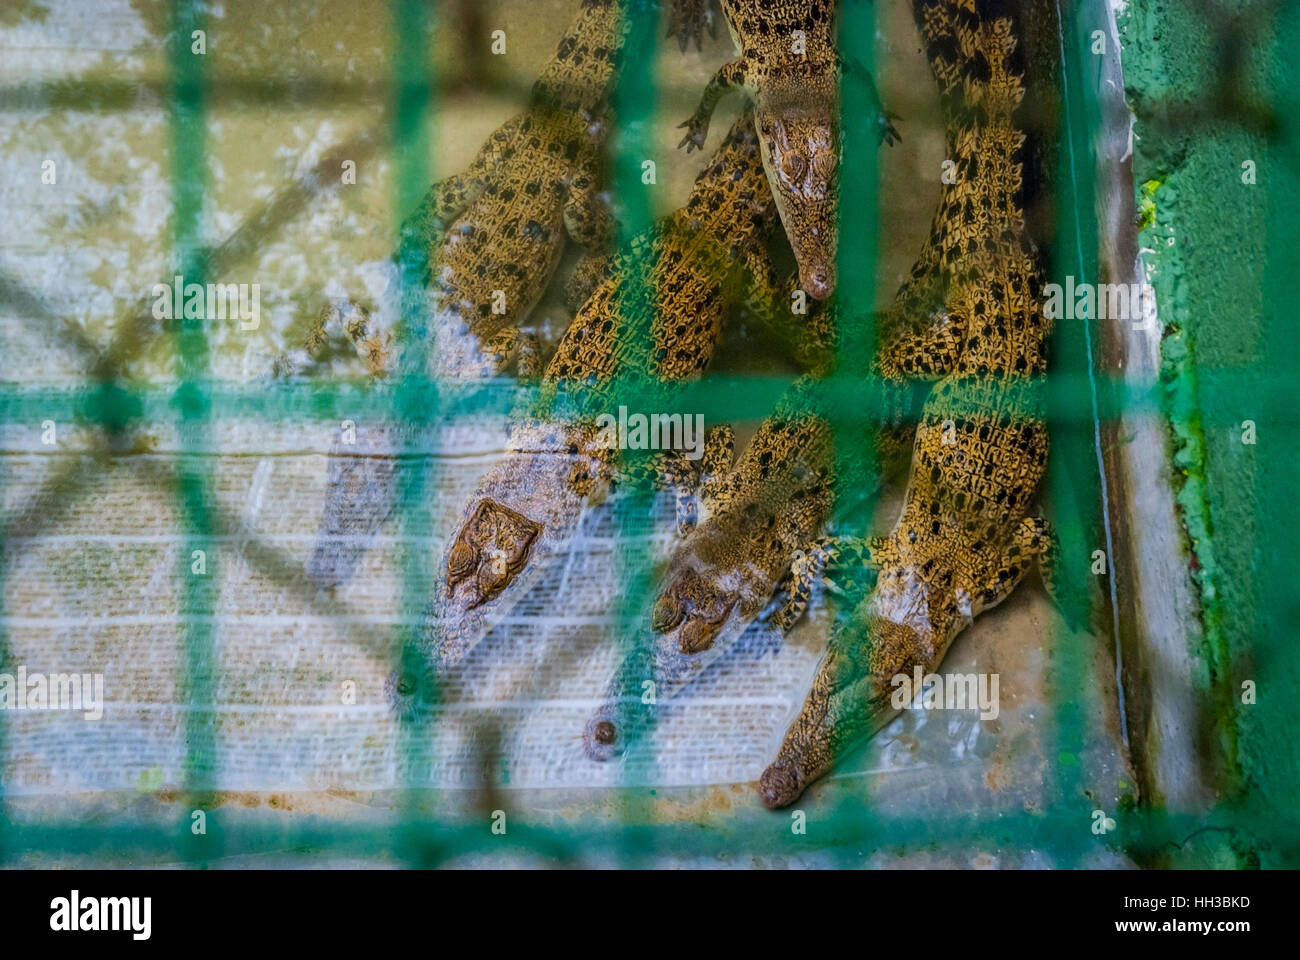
column 819, row 281
column 460, row 561
column 780, row 785
column 605, row 733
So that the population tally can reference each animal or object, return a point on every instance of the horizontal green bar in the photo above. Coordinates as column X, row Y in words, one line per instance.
column 845, row 825
column 722, row 397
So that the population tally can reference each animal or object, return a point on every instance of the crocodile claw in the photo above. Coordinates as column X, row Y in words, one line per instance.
column 687, row 21
column 885, row 123
column 696, row 135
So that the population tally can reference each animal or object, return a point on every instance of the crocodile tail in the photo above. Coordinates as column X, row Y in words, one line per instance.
column 997, row 63
column 995, row 158
column 587, row 58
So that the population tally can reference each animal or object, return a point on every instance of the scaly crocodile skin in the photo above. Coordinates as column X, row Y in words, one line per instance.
column 789, row 63
column 966, row 535
column 499, row 228
column 493, row 235
column 757, row 516
column 678, row 280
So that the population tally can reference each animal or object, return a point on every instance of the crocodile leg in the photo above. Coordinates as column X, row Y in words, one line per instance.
column 729, row 75
column 927, row 350
column 811, row 564
column 448, row 198
column 335, row 323
column 670, row 470
column 513, row 346
column 1032, row 543
column 587, row 217
column 719, row 457
column 589, row 221
column 1036, row 538
column 588, row 274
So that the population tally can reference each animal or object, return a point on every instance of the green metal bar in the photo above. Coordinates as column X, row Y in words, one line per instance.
column 199, row 571
column 839, row 828
column 855, row 423
column 634, row 101
column 416, row 400
column 727, row 396
column 1269, row 728
column 1076, row 476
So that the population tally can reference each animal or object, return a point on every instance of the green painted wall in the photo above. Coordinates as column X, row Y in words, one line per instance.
column 1210, row 93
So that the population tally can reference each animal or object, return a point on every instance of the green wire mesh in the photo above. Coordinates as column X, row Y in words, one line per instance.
column 1082, row 397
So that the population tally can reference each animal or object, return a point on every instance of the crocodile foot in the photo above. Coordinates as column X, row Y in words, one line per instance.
column 687, row 20
column 885, row 128
column 697, row 131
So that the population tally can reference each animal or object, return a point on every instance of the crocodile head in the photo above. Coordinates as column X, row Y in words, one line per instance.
column 514, row 528
column 713, row 590
column 851, row 698
column 799, row 136
column 490, row 550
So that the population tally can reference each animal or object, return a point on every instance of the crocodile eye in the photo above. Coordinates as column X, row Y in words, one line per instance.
column 461, row 559
column 793, row 166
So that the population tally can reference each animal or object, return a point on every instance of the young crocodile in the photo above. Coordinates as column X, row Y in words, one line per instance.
column 789, row 63
column 742, row 560
column 966, row 535
column 755, row 518
column 762, row 517
column 678, row 280
column 496, row 231
column 494, row 235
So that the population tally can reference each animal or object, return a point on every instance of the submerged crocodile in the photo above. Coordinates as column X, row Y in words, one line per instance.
column 493, row 236
column 655, row 319
column 967, row 534
column 756, row 517
column 789, row 63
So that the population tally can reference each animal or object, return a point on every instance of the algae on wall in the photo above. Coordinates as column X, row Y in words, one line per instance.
column 1208, row 159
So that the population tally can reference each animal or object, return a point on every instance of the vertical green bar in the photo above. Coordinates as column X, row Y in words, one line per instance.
column 1073, row 409
column 1270, row 727
column 5, row 665
column 858, row 232
column 851, row 388
column 199, row 589
column 416, row 398
column 634, row 101
column 852, row 398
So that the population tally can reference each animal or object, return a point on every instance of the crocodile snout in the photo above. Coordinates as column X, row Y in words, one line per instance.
column 695, row 608
column 818, row 280
column 780, row 785
column 490, row 551
column 600, row 739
